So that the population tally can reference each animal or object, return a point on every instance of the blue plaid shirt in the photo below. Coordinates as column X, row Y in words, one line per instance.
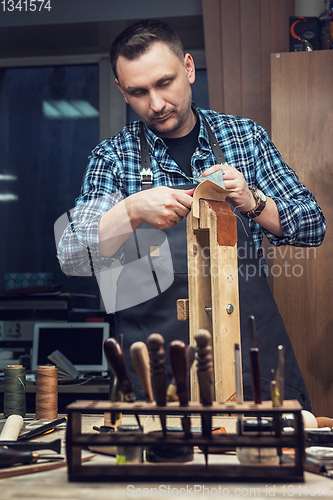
column 113, row 173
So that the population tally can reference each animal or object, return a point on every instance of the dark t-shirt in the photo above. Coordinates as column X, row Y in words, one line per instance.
column 181, row 149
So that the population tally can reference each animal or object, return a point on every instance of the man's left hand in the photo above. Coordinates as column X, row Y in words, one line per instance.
column 241, row 196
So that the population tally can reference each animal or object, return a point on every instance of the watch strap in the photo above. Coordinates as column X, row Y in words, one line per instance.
column 255, row 212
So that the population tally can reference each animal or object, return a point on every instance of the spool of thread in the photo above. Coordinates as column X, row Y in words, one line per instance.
column 14, row 391
column 46, row 392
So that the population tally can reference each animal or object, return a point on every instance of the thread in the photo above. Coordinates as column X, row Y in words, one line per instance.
column 46, row 392
column 14, row 391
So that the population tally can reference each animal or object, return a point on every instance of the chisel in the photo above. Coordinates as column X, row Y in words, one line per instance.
column 33, row 446
column 178, row 360
column 205, row 373
column 9, row 457
column 140, row 359
column 158, row 372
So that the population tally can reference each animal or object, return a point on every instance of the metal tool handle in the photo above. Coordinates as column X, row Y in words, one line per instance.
column 140, row 359
column 178, row 360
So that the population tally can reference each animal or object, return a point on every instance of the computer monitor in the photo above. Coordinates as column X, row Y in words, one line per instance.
column 81, row 343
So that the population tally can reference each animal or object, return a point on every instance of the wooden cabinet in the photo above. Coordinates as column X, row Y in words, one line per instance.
column 302, row 130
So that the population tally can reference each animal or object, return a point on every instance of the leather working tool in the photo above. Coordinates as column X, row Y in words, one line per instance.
column 205, row 372
column 140, row 359
column 158, row 372
column 178, row 360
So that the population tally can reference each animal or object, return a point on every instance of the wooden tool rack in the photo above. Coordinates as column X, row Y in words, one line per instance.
column 76, row 442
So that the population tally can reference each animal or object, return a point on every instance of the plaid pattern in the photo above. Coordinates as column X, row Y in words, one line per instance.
column 113, row 173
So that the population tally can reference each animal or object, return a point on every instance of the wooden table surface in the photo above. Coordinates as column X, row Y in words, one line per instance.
column 54, row 485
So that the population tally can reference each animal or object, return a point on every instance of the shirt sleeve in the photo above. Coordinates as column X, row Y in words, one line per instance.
column 303, row 223
column 77, row 248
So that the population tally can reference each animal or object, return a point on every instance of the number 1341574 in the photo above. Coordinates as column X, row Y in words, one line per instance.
column 25, row 5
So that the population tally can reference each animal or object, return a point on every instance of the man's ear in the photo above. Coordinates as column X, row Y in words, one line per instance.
column 121, row 90
column 189, row 68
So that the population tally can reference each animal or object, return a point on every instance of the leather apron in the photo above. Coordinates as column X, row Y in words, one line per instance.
column 159, row 314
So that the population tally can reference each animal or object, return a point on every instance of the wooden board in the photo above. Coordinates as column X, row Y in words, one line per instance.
column 213, row 284
column 302, row 124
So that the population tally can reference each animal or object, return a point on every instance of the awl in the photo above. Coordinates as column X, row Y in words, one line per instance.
column 158, row 372
column 205, row 373
column 178, row 360
column 116, row 361
column 140, row 359
column 255, row 362
column 172, row 389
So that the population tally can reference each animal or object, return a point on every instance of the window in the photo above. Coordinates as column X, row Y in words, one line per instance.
column 49, row 123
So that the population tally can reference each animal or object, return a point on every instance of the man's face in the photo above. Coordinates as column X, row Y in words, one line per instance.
column 157, row 87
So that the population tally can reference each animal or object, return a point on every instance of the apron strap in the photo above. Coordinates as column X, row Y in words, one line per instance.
column 146, row 173
column 220, row 158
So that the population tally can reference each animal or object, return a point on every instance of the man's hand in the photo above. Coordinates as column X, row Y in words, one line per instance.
column 160, row 207
column 241, row 196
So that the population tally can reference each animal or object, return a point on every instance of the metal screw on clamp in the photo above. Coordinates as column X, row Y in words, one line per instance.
column 230, row 308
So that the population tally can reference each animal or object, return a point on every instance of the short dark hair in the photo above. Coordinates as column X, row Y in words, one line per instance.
column 137, row 38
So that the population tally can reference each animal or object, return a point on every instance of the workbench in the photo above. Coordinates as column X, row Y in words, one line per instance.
column 54, row 485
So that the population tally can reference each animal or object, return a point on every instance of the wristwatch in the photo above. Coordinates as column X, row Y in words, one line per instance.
column 260, row 200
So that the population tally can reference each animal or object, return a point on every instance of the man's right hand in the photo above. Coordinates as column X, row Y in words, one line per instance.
column 161, row 207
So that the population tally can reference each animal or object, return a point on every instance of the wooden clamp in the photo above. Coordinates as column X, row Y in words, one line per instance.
column 213, row 302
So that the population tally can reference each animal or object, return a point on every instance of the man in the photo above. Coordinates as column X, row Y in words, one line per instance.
column 155, row 76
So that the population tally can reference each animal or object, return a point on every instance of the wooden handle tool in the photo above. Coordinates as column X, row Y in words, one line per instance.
column 177, row 354
column 116, row 360
column 178, row 360
column 205, row 372
column 205, row 366
column 140, row 359
column 33, row 445
column 12, row 428
column 172, row 389
column 9, row 457
column 158, row 372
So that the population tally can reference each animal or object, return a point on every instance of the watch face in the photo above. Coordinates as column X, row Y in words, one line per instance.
column 260, row 194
